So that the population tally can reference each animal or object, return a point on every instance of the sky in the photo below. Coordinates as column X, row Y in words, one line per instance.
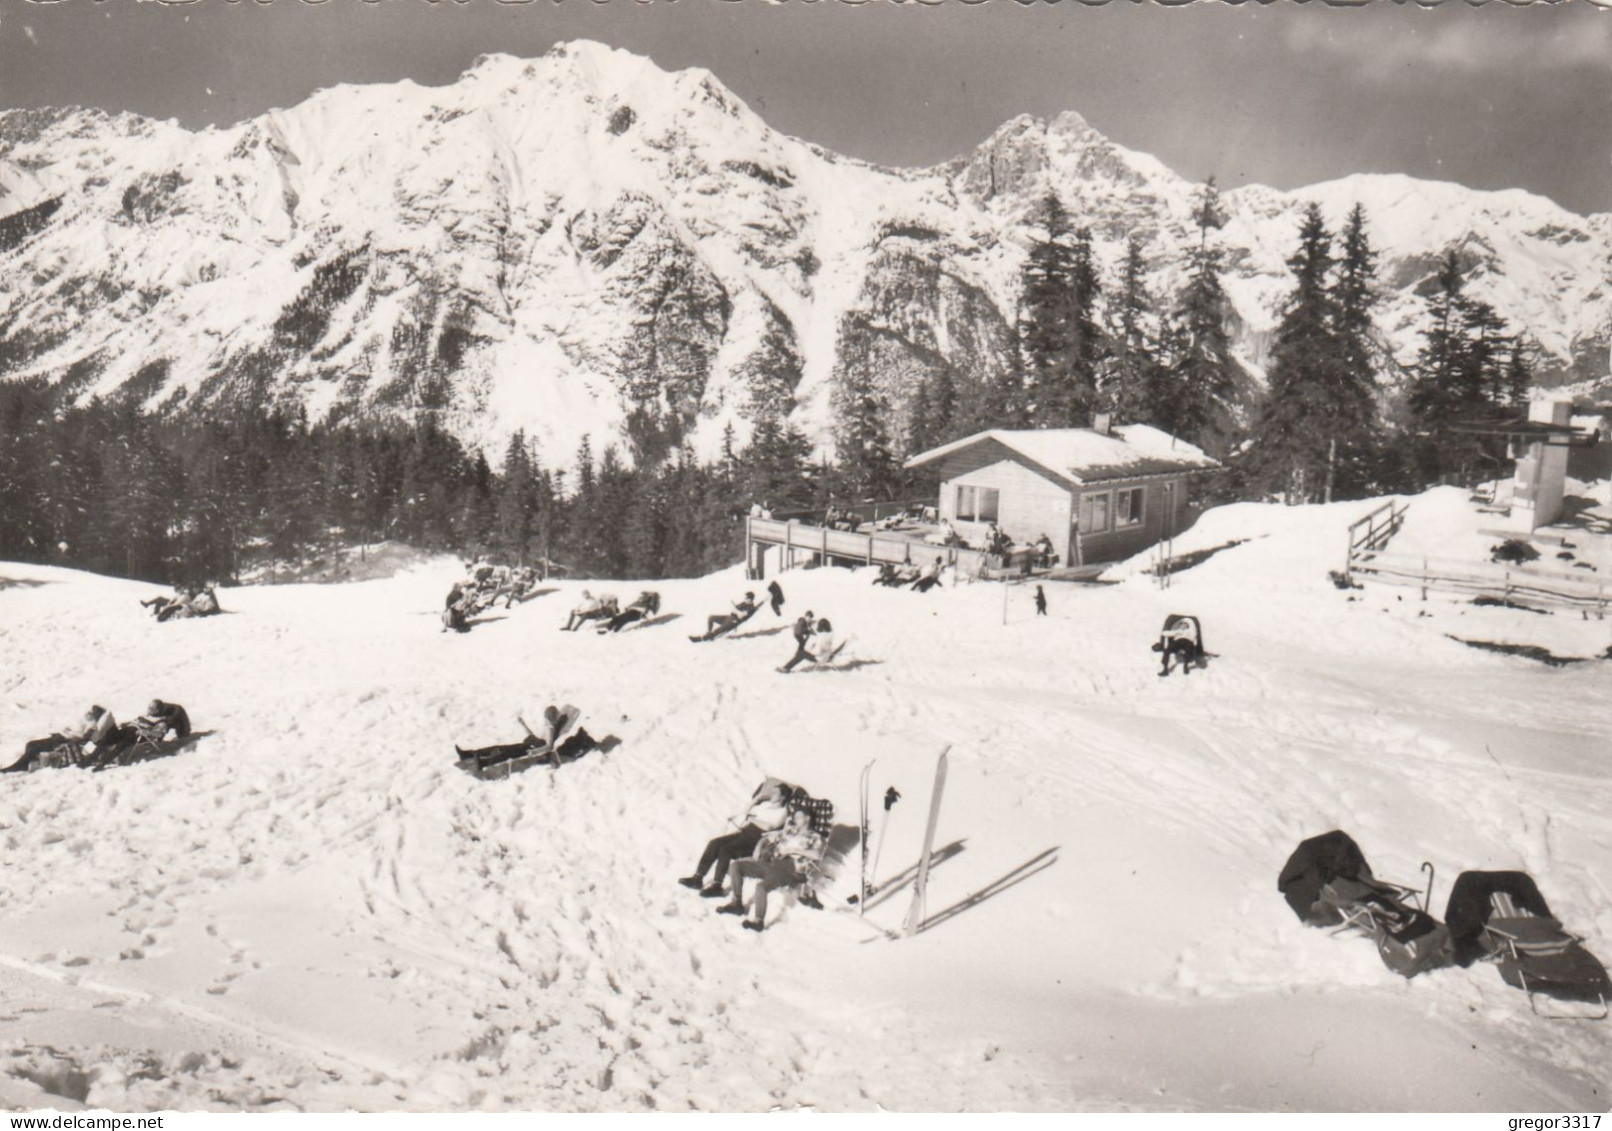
column 1497, row 96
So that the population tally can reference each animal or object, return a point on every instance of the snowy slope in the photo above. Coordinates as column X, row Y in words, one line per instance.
column 314, row 909
column 549, row 244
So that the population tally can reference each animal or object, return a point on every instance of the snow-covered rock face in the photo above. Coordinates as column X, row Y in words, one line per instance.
column 553, row 244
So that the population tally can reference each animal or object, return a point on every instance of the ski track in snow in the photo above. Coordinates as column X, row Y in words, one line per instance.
column 314, row 908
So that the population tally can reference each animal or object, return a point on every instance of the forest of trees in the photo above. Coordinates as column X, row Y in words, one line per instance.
column 171, row 499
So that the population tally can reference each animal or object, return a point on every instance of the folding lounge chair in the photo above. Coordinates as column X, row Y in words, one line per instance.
column 1538, row 956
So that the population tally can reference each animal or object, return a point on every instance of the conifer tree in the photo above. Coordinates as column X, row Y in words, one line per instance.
column 1519, row 379
column 1130, row 374
column 1204, row 373
column 517, row 501
column 1059, row 341
column 1296, row 427
column 865, row 462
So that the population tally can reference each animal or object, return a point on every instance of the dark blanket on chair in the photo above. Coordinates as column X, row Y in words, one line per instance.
column 1470, row 907
column 1315, row 863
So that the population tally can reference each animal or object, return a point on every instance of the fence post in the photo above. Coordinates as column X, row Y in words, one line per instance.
column 789, row 544
column 1424, row 577
column 870, row 547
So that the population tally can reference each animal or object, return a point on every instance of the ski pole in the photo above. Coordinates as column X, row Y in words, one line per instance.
column 891, row 796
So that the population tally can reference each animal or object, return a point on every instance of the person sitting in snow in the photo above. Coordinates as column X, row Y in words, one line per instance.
column 768, row 810
column 591, row 608
column 645, row 605
column 68, row 746
column 718, row 623
column 783, row 859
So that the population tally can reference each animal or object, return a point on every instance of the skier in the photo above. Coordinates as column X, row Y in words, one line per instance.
column 769, row 808
column 783, row 859
column 776, row 593
column 1040, row 602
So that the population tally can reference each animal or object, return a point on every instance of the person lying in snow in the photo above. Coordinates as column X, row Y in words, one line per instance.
column 644, row 606
column 555, row 723
column 783, row 859
column 719, row 623
column 70, row 746
column 769, row 809
column 601, row 607
column 819, row 646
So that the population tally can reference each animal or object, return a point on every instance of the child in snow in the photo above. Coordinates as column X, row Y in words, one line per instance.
column 1040, row 602
column 769, row 808
column 775, row 593
column 783, row 859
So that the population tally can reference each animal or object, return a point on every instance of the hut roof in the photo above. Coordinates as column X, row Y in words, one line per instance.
column 1083, row 455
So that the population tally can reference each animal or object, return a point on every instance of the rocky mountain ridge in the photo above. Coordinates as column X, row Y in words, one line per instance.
column 586, row 243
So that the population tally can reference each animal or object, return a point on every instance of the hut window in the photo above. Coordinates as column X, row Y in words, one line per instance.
column 1128, row 507
column 978, row 504
column 1097, row 510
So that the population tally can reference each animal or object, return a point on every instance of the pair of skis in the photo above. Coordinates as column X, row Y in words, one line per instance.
column 916, row 913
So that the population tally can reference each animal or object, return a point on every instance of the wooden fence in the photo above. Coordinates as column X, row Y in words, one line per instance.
column 805, row 538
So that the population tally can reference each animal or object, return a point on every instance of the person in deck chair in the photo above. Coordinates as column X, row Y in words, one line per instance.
column 162, row 719
column 929, row 578
column 1180, row 641
column 591, row 608
column 96, row 727
column 721, row 622
column 645, row 605
column 783, row 859
column 492, row 755
column 769, row 809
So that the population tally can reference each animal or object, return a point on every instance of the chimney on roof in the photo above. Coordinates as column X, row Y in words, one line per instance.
column 1102, row 423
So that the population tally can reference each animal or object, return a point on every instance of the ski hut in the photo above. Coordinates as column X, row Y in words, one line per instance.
column 1100, row 494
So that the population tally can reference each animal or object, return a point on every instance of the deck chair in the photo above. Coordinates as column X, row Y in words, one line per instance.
column 1501, row 917
column 1536, row 955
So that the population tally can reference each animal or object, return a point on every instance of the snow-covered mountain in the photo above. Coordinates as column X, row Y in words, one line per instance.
column 552, row 244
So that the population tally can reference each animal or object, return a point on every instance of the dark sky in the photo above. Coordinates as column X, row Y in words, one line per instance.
column 1494, row 97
